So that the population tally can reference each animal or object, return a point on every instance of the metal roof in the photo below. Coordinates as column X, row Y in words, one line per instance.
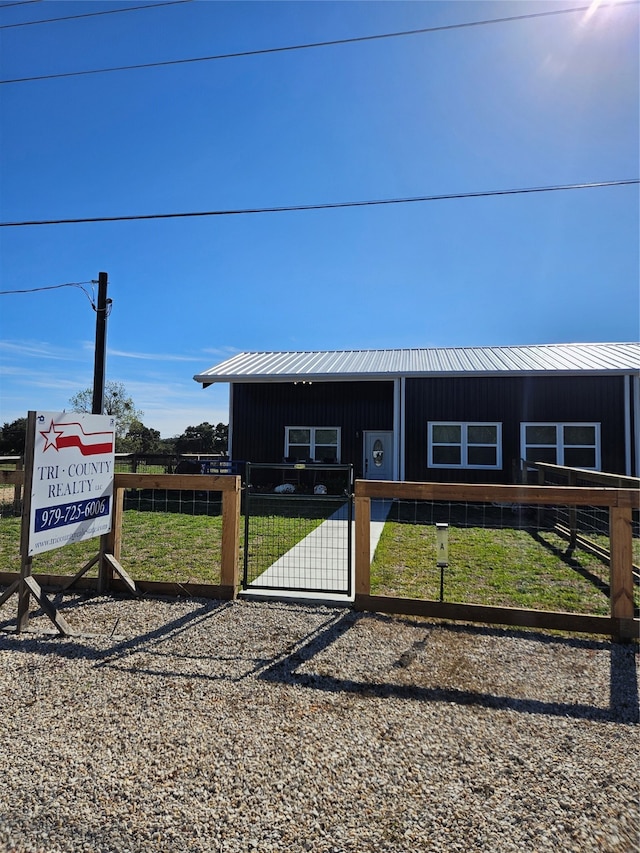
column 581, row 358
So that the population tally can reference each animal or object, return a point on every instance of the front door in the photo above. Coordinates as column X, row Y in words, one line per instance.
column 378, row 455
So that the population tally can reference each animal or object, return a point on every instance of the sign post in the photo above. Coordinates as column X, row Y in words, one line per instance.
column 68, row 494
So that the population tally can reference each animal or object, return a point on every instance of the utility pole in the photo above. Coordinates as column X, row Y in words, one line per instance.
column 101, row 345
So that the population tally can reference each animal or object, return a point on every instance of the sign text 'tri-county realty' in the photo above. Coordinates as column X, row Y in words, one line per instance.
column 72, row 487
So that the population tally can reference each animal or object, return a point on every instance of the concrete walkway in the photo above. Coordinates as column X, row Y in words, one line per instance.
column 316, row 568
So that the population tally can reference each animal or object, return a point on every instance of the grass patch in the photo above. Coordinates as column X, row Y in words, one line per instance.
column 499, row 567
column 166, row 546
column 492, row 566
column 156, row 546
column 61, row 561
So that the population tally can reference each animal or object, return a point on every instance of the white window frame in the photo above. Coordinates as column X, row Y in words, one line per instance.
column 312, row 438
column 464, row 444
column 560, row 446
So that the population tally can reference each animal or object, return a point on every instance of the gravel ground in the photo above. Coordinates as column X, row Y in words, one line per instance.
column 196, row 725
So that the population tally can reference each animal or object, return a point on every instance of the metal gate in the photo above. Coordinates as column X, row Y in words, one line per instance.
column 298, row 528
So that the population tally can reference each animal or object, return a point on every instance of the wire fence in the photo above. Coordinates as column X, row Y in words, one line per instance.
column 297, row 543
column 183, row 502
column 297, row 531
column 587, row 527
column 189, row 502
column 503, row 555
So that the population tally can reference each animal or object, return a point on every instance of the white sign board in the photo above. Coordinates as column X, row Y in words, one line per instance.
column 442, row 544
column 72, row 488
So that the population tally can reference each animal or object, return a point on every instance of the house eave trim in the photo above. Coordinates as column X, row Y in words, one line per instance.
column 391, row 376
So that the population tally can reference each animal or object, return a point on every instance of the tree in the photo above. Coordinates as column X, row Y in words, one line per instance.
column 140, row 439
column 167, row 445
column 116, row 402
column 204, row 438
column 12, row 437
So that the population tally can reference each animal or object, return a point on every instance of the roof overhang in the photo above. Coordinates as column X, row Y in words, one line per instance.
column 583, row 359
column 296, row 378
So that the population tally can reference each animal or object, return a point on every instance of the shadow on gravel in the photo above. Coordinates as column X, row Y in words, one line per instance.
column 70, row 647
column 284, row 667
column 623, row 705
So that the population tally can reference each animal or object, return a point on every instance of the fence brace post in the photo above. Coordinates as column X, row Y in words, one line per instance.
column 363, row 547
column 620, row 573
column 229, row 578
column 111, row 543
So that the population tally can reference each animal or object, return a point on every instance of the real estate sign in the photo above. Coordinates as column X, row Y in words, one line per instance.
column 72, row 485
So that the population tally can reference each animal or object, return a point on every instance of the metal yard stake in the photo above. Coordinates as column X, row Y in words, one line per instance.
column 442, row 549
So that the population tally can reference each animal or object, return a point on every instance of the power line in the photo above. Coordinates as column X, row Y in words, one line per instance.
column 328, row 206
column 20, row 3
column 78, row 284
column 91, row 14
column 311, row 45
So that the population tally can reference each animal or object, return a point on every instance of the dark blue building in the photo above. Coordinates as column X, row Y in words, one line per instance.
column 461, row 414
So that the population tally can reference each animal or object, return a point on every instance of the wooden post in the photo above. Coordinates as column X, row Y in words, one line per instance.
column 17, row 489
column 111, row 547
column 100, row 353
column 363, row 546
column 111, row 543
column 105, row 574
column 620, row 575
column 24, row 595
column 27, row 585
column 540, row 513
column 114, row 537
column 573, row 514
column 230, row 540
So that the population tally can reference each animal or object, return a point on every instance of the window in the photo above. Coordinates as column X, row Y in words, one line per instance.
column 574, row 445
column 318, row 444
column 462, row 445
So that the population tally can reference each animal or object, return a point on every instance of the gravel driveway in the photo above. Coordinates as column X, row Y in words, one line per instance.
column 194, row 725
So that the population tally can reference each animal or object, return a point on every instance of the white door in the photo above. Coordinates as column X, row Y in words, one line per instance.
column 378, row 455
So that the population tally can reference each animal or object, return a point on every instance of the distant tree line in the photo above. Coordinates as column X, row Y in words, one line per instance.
column 132, row 436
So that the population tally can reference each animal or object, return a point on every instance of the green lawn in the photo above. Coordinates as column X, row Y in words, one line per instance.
column 165, row 546
column 500, row 567
column 157, row 546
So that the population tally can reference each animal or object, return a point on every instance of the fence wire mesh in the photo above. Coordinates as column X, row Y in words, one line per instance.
column 189, row 502
column 173, row 501
column 589, row 523
column 298, row 528
column 170, row 547
column 510, row 555
column 541, row 557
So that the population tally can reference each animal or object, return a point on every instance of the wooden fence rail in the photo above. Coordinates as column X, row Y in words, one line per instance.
column 621, row 623
column 621, row 502
column 549, row 472
column 111, row 543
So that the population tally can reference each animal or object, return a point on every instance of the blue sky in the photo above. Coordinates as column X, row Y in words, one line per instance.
column 531, row 103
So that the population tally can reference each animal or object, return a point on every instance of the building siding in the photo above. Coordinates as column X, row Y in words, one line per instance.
column 511, row 401
column 262, row 411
